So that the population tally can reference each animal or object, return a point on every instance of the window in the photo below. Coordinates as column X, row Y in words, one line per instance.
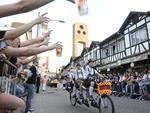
column 127, row 42
column 88, row 56
column 140, row 23
column 98, row 53
column 120, row 45
column 148, row 27
column 107, row 52
column 113, row 49
column 94, row 55
column 132, row 28
column 148, row 19
column 138, row 36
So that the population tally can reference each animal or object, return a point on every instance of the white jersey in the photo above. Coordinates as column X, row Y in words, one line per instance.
column 80, row 74
column 72, row 74
column 76, row 74
column 89, row 71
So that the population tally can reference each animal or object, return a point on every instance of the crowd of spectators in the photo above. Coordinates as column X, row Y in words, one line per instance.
column 131, row 83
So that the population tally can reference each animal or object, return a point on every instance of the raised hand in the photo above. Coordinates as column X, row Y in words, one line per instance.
column 46, row 37
column 47, row 34
column 2, row 56
column 42, row 19
column 56, row 45
column 46, row 41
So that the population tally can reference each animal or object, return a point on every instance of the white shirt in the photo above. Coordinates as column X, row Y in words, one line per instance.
column 146, row 79
column 29, row 73
column 121, row 78
column 72, row 74
column 146, row 76
column 89, row 71
column 80, row 74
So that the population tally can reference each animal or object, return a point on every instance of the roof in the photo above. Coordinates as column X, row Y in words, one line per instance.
column 130, row 16
column 94, row 44
column 85, row 50
column 71, row 59
column 112, row 37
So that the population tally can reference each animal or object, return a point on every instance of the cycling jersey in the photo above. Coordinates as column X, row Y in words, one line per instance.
column 88, row 71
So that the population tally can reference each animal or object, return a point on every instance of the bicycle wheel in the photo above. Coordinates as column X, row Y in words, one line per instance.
column 73, row 99
column 106, row 105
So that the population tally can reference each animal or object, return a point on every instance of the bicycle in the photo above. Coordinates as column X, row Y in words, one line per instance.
column 102, row 101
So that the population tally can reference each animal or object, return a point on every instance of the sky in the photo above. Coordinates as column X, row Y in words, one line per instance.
column 105, row 17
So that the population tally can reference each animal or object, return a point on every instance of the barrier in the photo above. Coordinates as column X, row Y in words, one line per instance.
column 8, row 73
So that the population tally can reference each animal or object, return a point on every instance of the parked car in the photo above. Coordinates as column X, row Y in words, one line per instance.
column 52, row 83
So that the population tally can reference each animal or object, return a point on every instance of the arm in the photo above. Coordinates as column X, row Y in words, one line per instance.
column 30, row 42
column 25, row 51
column 100, row 75
column 44, row 42
column 38, row 44
column 23, row 6
column 27, row 60
column 12, row 34
column 41, row 40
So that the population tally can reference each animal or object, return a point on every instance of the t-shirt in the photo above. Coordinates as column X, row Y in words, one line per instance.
column 72, row 74
column 89, row 71
column 28, row 72
column 80, row 74
column 32, row 79
column 146, row 79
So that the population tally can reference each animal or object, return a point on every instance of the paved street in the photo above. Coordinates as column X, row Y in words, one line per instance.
column 54, row 101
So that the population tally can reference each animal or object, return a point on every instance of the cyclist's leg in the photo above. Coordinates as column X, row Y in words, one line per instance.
column 74, row 88
column 80, row 84
column 86, row 85
column 91, row 89
column 78, row 92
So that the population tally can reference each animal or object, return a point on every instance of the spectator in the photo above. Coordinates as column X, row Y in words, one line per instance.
column 146, row 81
column 14, row 33
column 44, row 81
column 30, row 87
column 129, row 83
column 38, row 83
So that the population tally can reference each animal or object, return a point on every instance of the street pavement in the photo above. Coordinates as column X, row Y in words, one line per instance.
column 57, row 101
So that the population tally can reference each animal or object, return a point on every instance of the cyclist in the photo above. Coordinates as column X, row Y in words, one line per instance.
column 79, row 79
column 76, row 77
column 89, row 75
